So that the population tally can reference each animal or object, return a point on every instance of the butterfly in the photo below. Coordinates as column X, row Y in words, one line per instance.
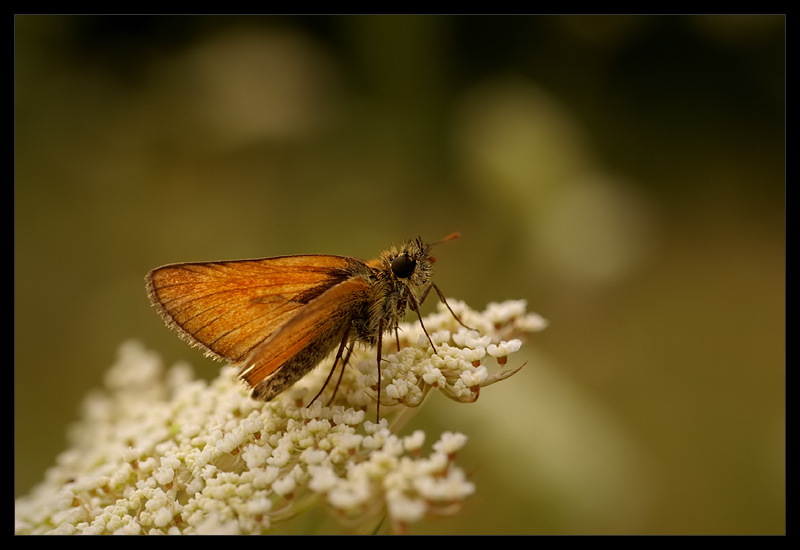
column 277, row 318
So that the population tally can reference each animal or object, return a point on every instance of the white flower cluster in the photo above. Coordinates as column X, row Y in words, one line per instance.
column 456, row 367
column 157, row 454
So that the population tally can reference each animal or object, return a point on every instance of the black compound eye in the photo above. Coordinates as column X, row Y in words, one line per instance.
column 403, row 266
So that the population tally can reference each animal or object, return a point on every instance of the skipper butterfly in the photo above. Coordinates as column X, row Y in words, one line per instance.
column 277, row 318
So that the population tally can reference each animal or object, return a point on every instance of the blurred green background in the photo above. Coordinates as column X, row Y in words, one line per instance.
column 624, row 174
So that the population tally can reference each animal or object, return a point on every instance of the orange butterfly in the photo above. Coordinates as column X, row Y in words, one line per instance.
column 277, row 318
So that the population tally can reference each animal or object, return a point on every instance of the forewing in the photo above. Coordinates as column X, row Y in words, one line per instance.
column 312, row 333
column 229, row 308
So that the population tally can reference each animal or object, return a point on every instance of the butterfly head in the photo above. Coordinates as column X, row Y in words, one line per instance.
column 411, row 264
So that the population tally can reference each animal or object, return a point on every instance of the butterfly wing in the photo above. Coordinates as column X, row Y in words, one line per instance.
column 229, row 308
column 307, row 338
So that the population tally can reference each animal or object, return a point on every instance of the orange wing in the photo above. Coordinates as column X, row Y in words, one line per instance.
column 229, row 308
column 307, row 338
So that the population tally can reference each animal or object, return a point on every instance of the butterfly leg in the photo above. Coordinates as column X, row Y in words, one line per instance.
column 426, row 289
column 412, row 301
column 425, row 292
column 333, row 368
column 380, row 343
column 341, row 374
